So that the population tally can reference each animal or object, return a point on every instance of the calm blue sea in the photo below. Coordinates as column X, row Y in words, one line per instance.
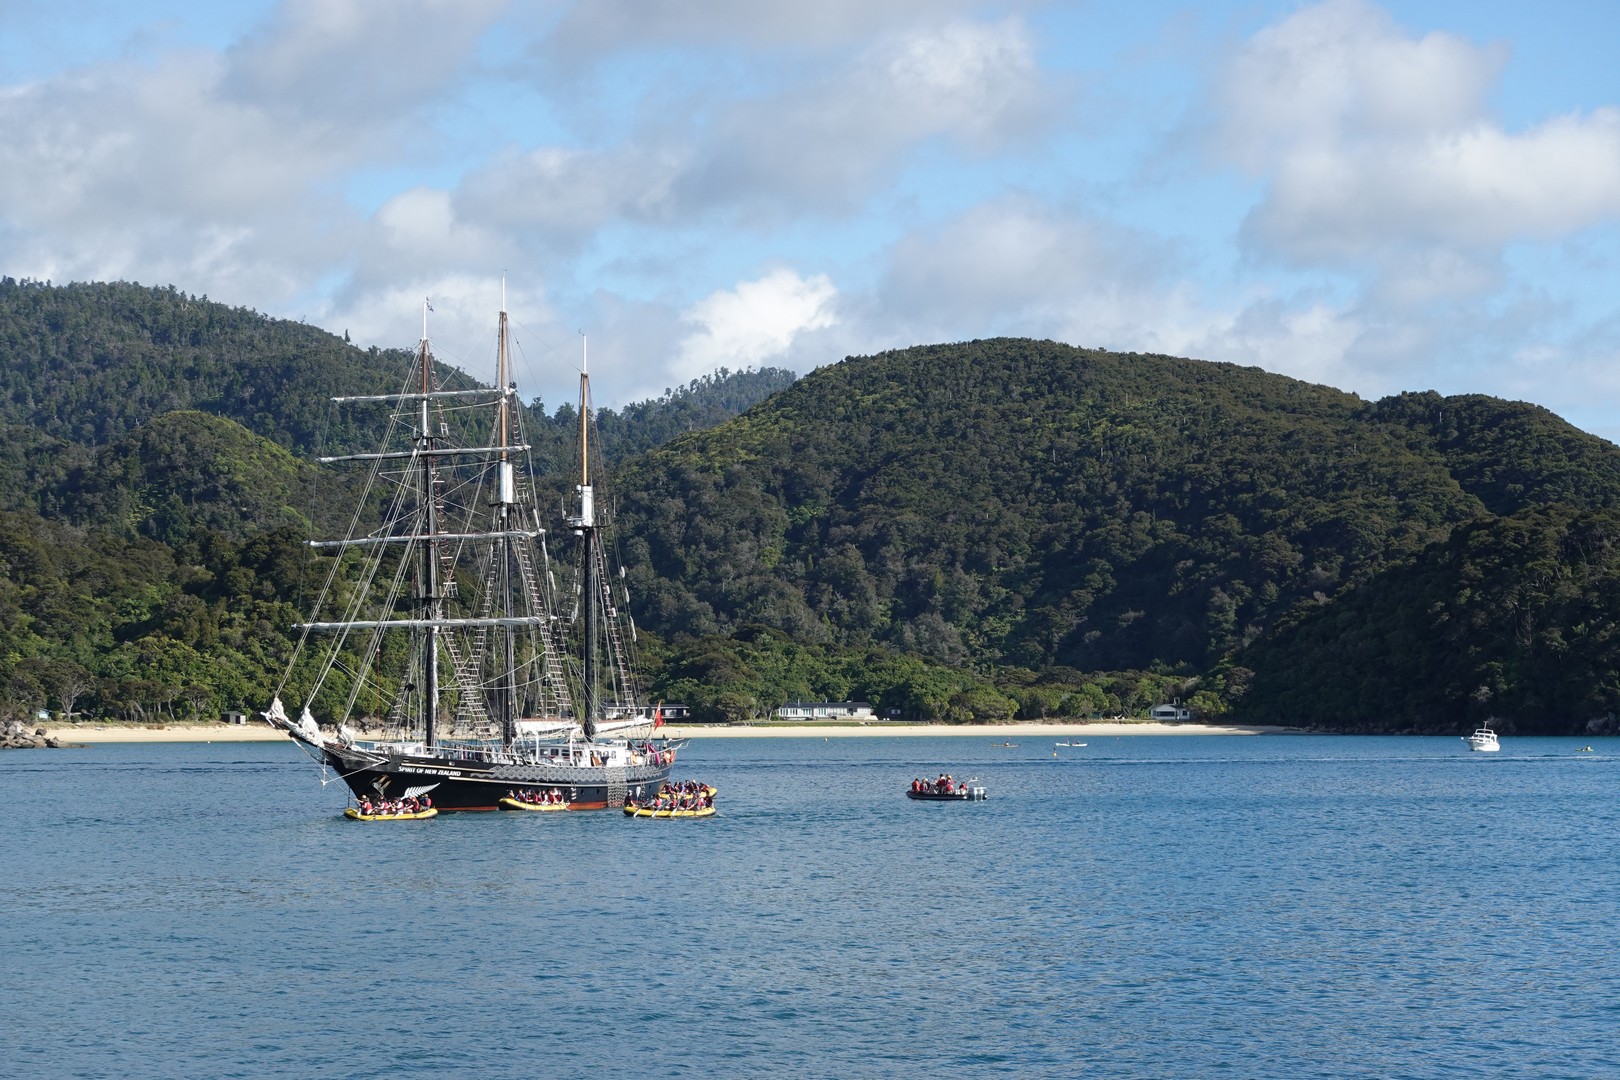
column 1276, row 906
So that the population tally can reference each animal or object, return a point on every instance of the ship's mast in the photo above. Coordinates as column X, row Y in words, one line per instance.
column 514, row 602
column 505, row 497
column 585, row 526
column 431, row 601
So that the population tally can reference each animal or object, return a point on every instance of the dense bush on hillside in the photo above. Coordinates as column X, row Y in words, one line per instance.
column 1026, row 503
column 972, row 531
column 113, row 625
column 157, row 463
column 1514, row 620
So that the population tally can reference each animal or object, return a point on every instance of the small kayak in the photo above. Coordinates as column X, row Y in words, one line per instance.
column 354, row 814
column 519, row 804
column 647, row 811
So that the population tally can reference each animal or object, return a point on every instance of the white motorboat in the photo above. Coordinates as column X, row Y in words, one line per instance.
column 1483, row 739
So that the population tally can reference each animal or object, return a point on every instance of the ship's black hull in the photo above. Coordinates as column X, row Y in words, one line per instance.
column 459, row 784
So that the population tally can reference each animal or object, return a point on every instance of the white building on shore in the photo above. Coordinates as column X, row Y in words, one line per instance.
column 826, row 710
column 1170, row 714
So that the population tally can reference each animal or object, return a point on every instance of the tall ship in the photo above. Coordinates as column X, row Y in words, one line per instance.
column 442, row 656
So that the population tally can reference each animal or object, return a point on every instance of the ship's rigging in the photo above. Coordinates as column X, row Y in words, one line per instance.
column 442, row 622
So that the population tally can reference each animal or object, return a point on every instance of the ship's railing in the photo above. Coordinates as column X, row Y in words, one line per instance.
column 529, row 753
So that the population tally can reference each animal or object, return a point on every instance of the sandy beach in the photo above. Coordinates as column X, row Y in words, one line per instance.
column 110, row 733
column 1008, row 732
column 68, row 734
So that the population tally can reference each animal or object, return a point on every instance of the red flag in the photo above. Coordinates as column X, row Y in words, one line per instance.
column 658, row 716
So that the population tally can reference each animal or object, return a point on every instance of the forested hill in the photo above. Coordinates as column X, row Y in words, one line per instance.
column 156, row 488
column 1513, row 620
column 1026, row 503
column 955, row 532
column 88, row 363
column 87, row 370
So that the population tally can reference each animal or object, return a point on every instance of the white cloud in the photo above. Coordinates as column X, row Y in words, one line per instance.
column 222, row 172
column 1016, row 265
column 142, row 173
column 754, row 323
column 1307, row 339
column 1022, row 267
column 826, row 142
column 826, row 145
column 977, row 82
column 1475, row 188
column 462, row 324
column 346, row 66
column 609, row 25
column 227, row 172
column 109, row 146
column 662, row 144
column 421, row 225
column 417, row 246
column 1340, row 70
column 1379, row 151
column 567, row 194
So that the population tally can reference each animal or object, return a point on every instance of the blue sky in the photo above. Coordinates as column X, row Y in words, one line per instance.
column 1377, row 196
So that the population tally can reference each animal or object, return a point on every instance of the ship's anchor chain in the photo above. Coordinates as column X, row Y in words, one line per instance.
column 615, row 786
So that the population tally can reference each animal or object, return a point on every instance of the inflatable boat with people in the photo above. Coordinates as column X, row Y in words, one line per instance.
column 946, row 789
column 676, row 799
column 392, row 810
column 534, row 800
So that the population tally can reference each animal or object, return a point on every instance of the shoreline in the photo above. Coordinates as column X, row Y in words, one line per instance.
column 208, row 733
column 83, row 734
column 1021, row 729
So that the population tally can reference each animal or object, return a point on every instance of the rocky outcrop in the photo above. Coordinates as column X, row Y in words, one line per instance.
column 16, row 736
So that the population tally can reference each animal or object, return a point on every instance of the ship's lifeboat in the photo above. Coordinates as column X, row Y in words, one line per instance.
column 355, row 814
column 519, row 804
column 649, row 812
